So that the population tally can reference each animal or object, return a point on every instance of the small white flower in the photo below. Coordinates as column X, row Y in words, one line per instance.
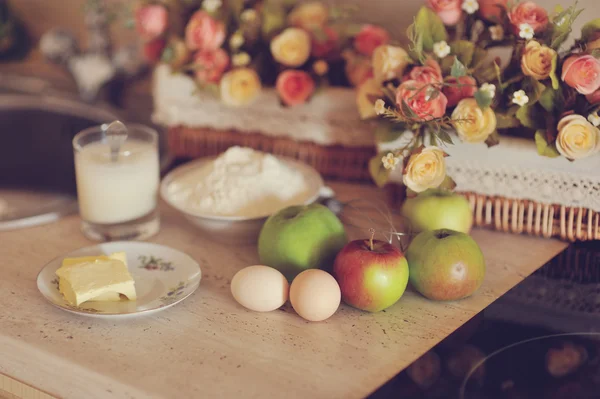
column 561, row 21
column 390, row 161
column 240, row 59
column 379, row 107
column 470, row 6
column 497, row 32
column 441, row 49
column 212, row 5
column 489, row 89
column 594, row 119
column 520, row 98
column 236, row 41
column 526, row 31
column 248, row 15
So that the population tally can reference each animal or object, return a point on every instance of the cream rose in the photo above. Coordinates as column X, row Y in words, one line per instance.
column 369, row 88
column 473, row 124
column 240, row 86
column 537, row 60
column 577, row 138
column 291, row 47
column 389, row 62
column 425, row 169
column 309, row 16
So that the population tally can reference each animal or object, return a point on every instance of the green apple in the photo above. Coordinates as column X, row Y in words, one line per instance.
column 445, row 265
column 301, row 237
column 438, row 209
column 372, row 274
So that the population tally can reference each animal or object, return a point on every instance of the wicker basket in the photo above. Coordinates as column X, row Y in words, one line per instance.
column 332, row 162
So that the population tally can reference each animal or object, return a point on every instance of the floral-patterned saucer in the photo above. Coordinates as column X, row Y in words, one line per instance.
column 163, row 277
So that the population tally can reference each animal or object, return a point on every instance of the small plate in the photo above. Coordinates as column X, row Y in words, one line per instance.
column 163, row 277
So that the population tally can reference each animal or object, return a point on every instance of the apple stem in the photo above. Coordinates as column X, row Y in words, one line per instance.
column 372, row 231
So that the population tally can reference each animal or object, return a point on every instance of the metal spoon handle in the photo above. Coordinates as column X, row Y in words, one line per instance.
column 116, row 134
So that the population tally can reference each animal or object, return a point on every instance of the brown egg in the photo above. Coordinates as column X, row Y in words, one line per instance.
column 315, row 295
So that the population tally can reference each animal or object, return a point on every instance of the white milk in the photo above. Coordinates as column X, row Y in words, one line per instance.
column 114, row 192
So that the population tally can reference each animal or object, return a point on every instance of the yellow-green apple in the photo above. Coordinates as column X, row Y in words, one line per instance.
column 445, row 265
column 372, row 274
column 301, row 237
column 438, row 209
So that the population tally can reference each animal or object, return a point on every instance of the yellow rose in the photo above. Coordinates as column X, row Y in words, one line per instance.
column 593, row 45
column 291, row 47
column 537, row 60
column 473, row 124
column 577, row 138
column 366, row 106
column 240, row 86
column 425, row 169
column 309, row 16
column 389, row 62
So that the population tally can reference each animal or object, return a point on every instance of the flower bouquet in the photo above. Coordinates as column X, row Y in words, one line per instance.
column 478, row 71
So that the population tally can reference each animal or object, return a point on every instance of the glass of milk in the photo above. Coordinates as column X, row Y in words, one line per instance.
column 117, row 195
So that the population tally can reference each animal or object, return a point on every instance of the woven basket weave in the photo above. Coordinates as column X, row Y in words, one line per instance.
column 332, row 162
column 529, row 217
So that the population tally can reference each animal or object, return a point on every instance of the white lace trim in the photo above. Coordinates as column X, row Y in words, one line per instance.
column 330, row 118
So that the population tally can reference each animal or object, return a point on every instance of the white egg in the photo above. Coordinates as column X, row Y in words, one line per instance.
column 260, row 288
column 315, row 295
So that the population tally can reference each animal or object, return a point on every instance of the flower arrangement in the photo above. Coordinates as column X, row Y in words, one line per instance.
column 451, row 79
column 237, row 47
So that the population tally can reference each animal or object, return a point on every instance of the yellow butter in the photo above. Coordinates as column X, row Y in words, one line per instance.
column 96, row 278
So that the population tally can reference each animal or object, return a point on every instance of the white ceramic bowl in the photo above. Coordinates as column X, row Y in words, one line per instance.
column 235, row 229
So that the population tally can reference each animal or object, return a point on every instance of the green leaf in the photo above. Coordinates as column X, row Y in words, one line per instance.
column 458, row 69
column 553, row 77
column 533, row 88
column 531, row 116
column 408, row 111
column 464, row 50
column 506, row 120
column 379, row 173
column 560, row 33
column 543, row 148
column 416, row 49
column 444, row 136
column 479, row 57
column 552, row 100
column 273, row 18
column 589, row 29
column 388, row 131
column 483, row 99
column 430, row 25
column 448, row 184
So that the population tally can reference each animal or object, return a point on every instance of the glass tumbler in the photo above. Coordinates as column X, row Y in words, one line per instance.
column 117, row 196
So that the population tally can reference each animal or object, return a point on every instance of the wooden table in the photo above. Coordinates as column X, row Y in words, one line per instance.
column 208, row 345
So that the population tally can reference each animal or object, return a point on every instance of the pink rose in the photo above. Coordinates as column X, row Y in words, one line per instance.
column 324, row 48
column 528, row 13
column 582, row 73
column 151, row 21
column 463, row 87
column 210, row 65
column 594, row 98
column 204, row 32
column 153, row 50
column 369, row 38
column 294, row 87
column 418, row 100
column 431, row 72
column 492, row 10
column 448, row 10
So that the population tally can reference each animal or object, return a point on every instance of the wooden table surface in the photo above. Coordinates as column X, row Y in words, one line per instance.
column 208, row 345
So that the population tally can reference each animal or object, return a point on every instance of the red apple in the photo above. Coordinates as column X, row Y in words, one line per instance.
column 372, row 274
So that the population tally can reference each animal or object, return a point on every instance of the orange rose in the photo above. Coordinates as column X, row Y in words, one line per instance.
column 151, row 21
column 203, row 32
column 448, row 10
column 463, row 87
column 294, row 87
column 369, row 38
column 528, row 13
column 428, row 73
column 582, row 73
column 492, row 10
column 358, row 68
column 210, row 65
column 417, row 98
